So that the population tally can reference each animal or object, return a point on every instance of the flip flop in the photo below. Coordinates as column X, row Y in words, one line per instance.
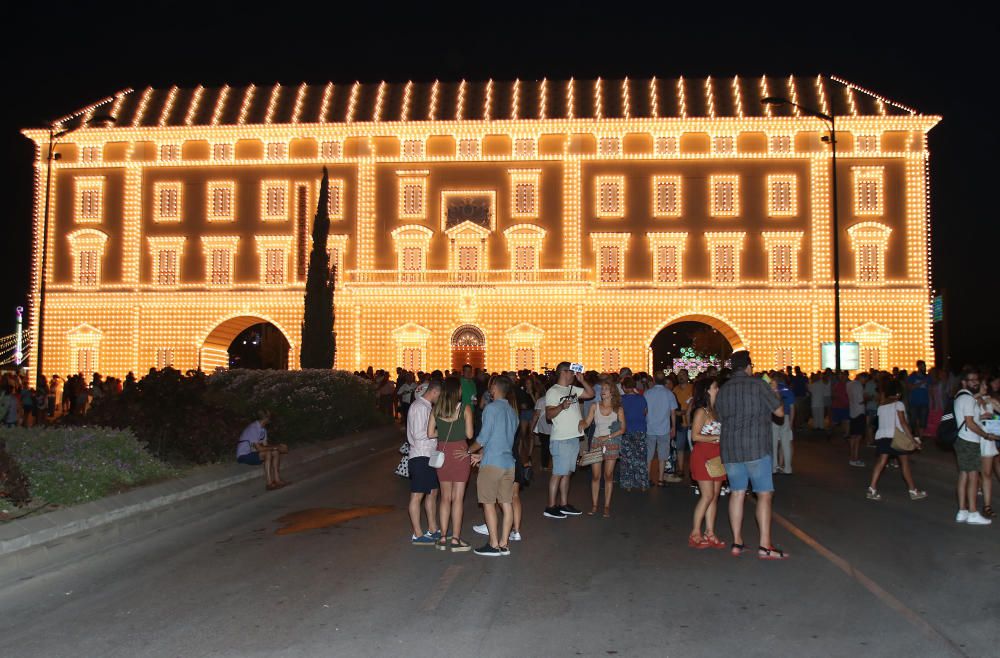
column 771, row 553
column 737, row 550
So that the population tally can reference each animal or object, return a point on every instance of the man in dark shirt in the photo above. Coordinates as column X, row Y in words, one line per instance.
column 745, row 405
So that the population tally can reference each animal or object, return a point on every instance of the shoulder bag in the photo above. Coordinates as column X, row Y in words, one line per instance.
column 592, row 455
column 901, row 440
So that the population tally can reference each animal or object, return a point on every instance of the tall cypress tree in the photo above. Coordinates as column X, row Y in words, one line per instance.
column 319, row 342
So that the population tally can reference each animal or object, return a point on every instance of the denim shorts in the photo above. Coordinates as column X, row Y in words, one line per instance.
column 661, row 444
column 682, row 441
column 564, row 455
column 757, row 473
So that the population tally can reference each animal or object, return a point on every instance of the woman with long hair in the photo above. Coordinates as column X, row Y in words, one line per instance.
column 607, row 437
column 451, row 423
column 988, row 449
column 892, row 419
column 705, row 459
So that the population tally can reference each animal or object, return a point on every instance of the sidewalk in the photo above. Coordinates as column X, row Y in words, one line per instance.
column 35, row 543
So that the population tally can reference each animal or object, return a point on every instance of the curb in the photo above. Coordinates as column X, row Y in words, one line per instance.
column 32, row 532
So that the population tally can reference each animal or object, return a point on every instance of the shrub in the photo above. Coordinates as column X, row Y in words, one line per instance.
column 69, row 465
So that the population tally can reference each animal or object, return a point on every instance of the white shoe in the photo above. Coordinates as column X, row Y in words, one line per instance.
column 962, row 516
column 515, row 535
column 481, row 529
column 975, row 518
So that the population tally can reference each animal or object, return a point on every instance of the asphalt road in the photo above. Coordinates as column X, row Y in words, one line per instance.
column 893, row 578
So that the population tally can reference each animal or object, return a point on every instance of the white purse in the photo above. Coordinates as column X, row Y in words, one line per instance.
column 437, row 459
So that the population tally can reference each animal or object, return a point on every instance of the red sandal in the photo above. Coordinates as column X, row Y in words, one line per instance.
column 698, row 541
column 714, row 542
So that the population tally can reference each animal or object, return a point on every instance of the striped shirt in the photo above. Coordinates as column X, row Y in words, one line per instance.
column 744, row 406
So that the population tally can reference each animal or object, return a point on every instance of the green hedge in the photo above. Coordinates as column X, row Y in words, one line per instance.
column 69, row 465
column 198, row 418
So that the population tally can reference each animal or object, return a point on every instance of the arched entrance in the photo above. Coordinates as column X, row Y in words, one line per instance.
column 705, row 336
column 468, row 346
column 246, row 341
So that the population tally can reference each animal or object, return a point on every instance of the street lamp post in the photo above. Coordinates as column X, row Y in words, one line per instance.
column 832, row 140
column 50, row 157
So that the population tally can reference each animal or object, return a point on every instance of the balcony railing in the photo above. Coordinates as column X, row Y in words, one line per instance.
column 466, row 277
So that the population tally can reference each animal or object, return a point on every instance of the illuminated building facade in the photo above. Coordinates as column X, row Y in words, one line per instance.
column 512, row 224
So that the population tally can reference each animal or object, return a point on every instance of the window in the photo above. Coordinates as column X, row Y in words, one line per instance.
column 723, row 144
column 782, row 269
column 272, row 253
column 89, row 199
column 336, row 247
column 411, row 192
column 330, row 150
column 665, row 146
column 87, row 247
column 166, row 267
column 610, row 193
column 170, row 152
column 413, row 149
column 871, row 358
column 867, row 143
column 220, row 256
column 335, row 204
column 468, row 149
column 609, row 256
column 782, row 255
column 468, row 258
column 782, row 199
column 524, row 358
column 222, row 151
column 868, row 190
column 411, row 243
column 610, row 264
column 783, row 358
column 781, row 144
column 86, row 360
column 164, row 358
column 611, row 359
column 666, row 196
column 167, row 202
column 609, row 147
column 274, row 200
column 412, row 359
column 524, row 263
column 870, row 241
column 221, row 201
column 90, row 154
column 667, row 264
column 412, row 259
column 724, row 201
column 277, row 151
column 525, row 243
column 724, row 252
column 524, row 192
column 524, row 147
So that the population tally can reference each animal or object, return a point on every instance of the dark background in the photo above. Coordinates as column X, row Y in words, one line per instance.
column 59, row 58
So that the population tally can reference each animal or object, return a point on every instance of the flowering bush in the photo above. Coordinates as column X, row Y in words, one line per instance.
column 69, row 465
column 198, row 418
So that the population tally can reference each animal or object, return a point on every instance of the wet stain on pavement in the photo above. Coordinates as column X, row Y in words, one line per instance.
column 324, row 517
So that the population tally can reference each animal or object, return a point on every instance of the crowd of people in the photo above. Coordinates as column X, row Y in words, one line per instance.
column 727, row 430
column 24, row 405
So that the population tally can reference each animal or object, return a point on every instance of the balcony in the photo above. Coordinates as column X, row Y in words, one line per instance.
column 467, row 277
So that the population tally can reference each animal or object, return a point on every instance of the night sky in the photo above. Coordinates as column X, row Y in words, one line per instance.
column 938, row 63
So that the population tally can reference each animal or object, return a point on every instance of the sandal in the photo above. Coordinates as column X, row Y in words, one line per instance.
column 607, row 513
column 593, row 511
column 441, row 544
column 714, row 542
column 988, row 512
column 771, row 553
column 697, row 541
column 459, row 546
column 737, row 550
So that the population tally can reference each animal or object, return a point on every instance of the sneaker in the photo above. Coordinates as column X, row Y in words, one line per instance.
column 488, row 551
column 423, row 540
column 436, row 535
column 481, row 529
column 873, row 495
column 975, row 518
column 673, row 477
column 504, row 551
column 917, row 494
column 893, row 464
column 553, row 513
column 857, row 463
column 962, row 516
column 569, row 510
column 515, row 535
column 724, row 491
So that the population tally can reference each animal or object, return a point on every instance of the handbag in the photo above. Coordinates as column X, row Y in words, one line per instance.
column 902, row 441
column 590, row 457
column 437, row 456
column 715, row 467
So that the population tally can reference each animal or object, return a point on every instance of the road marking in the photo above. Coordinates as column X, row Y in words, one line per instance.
column 443, row 584
column 885, row 597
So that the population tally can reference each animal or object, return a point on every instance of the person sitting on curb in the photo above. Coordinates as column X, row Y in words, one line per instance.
column 253, row 449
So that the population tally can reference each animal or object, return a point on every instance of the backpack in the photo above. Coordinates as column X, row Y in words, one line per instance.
column 949, row 426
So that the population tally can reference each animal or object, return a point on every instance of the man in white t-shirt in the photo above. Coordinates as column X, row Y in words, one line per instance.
column 562, row 409
column 967, row 450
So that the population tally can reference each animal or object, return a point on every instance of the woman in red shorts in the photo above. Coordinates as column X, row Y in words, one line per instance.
column 705, row 460
column 451, row 423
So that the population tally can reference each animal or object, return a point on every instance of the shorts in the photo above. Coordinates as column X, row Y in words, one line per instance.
column 841, row 415
column 564, row 455
column 423, row 478
column 756, row 473
column 525, row 415
column 495, row 485
column 682, row 441
column 659, row 443
column 883, row 446
column 969, row 455
column 250, row 459
column 857, row 425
